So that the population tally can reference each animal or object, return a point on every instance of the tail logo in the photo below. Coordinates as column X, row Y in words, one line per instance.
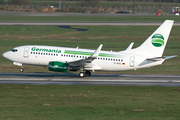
column 157, row 40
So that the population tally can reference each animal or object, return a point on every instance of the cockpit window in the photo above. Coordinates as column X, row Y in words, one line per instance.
column 14, row 50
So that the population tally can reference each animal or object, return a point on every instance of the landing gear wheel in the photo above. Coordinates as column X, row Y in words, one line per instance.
column 21, row 69
column 81, row 74
column 88, row 73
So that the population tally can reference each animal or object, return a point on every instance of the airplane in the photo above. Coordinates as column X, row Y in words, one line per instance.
column 64, row 59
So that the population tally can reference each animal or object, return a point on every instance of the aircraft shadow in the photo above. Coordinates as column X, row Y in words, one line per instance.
column 66, row 75
column 69, row 27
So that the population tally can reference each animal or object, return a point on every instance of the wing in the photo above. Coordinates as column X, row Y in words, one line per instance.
column 86, row 62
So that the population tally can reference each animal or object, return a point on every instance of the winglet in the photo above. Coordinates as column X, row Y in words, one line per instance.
column 96, row 53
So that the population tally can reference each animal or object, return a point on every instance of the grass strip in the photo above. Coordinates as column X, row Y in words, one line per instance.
column 90, row 18
column 47, row 102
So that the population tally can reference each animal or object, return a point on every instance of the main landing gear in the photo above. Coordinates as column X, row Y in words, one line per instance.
column 83, row 74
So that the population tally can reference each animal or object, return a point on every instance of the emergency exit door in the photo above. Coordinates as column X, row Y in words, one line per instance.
column 132, row 61
column 26, row 52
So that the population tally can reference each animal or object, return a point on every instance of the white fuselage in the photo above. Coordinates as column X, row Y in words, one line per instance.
column 106, row 61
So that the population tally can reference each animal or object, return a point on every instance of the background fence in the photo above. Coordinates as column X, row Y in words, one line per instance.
column 123, row 8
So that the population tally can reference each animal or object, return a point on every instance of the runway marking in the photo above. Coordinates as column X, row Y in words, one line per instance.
column 77, row 80
column 24, row 79
column 87, row 80
column 85, row 23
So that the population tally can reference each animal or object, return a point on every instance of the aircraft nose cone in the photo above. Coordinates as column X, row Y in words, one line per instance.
column 5, row 55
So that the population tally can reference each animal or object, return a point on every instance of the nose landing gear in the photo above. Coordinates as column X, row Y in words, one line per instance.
column 21, row 69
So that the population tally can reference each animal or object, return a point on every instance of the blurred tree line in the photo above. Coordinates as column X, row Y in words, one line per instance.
column 90, row 3
column 1, row 1
column 167, row 1
column 19, row 2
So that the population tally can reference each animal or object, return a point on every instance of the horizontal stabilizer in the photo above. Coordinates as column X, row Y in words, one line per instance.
column 156, row 58
column 161, row 58
column 168, row 57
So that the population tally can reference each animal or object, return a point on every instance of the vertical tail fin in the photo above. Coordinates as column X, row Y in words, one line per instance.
column 155, row 43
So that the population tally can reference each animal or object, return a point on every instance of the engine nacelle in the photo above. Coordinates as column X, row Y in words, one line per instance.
column 58, row 66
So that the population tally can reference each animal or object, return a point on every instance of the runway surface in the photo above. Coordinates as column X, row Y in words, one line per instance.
column 95, row 79
column 86, row 23
column 74, row 14
column 79, row 23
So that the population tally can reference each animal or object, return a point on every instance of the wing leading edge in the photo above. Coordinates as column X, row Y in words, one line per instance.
column 86, row 61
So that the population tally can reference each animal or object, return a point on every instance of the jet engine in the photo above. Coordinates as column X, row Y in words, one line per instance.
column 58, row 66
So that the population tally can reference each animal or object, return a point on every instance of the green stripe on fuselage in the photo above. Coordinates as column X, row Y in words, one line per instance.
column 77, row 52
column 90, row 53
